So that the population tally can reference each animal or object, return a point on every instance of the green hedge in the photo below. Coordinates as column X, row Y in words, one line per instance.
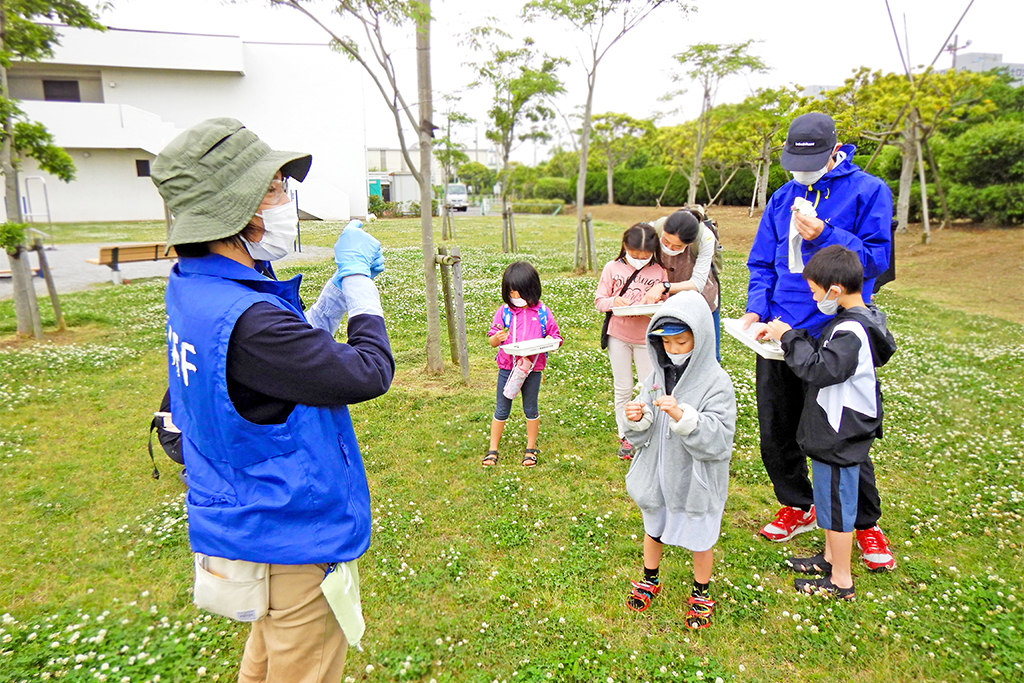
column 643, row 186
column 537, row 206
column 553, row 188
column 1000, row 204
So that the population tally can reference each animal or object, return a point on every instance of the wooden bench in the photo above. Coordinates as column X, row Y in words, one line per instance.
column 37, row 271
column 113, row 257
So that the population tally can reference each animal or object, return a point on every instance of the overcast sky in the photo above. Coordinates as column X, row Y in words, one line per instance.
column 805, row 43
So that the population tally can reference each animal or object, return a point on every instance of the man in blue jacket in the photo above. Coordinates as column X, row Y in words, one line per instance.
column 260, row 389
column 829, row 201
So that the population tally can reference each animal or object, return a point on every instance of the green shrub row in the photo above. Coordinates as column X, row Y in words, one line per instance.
column 538, row 206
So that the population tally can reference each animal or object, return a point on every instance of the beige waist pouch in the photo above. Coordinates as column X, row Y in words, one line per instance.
column 235, row 589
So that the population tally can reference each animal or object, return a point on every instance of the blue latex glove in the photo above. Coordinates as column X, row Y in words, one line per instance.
column 377, row 267
column 356, row 253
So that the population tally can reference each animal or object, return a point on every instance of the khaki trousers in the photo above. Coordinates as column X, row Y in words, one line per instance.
column 299, row 641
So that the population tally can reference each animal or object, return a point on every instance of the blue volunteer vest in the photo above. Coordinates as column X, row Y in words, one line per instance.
column 291, row 493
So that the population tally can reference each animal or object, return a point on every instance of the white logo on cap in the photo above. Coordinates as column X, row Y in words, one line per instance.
column 804, row 144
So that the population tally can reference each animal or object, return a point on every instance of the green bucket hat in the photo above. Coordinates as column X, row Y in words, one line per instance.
column 214, row 176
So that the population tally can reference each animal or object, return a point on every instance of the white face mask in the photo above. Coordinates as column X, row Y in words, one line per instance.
column 829, row 306
column 678, row 358
column 671, row 252
column 280, row 228
column 637, row 263
column 519, row 303
column 808, row 178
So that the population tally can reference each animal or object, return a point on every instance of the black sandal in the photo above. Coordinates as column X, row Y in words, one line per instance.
column 491, row 459
column 823, row 586
column 811, row 565
column 530, row 457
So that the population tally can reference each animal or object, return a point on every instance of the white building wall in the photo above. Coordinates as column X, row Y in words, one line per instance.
column 295, row 97
column 89, row 198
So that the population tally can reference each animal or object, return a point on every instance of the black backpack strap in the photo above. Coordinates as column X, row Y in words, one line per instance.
column 152, row 426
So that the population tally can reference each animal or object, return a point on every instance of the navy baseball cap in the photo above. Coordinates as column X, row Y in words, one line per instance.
column 670, row 327
column 809, row 142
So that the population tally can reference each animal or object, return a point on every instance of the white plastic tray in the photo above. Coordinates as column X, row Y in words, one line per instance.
column 769, row 348
column 638, row 309
column 530, row 347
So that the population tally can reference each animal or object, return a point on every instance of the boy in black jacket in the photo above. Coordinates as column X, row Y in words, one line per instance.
column 842, row 412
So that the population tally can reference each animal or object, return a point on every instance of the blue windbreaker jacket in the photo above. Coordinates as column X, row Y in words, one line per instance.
column 857, row 210
column 289, row 493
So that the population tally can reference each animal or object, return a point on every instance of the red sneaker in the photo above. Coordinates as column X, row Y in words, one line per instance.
column 788, row 523
column 626, row 450
column 874, row 550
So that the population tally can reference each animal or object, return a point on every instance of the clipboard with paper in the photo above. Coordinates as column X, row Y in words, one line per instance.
column 766, row 348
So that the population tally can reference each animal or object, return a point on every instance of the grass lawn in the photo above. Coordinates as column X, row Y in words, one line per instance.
column 507, row 574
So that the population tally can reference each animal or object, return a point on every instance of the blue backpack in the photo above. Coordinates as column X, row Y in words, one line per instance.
column 542, row 315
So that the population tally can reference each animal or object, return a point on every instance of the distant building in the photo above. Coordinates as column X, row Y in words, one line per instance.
column 981, row 62
column 114, row 99
column 390, row 160
column 389, row 177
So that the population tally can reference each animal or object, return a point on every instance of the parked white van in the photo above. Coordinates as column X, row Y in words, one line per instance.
column 458, row 197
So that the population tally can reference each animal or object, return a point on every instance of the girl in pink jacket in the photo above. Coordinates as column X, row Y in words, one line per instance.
column 522, row 317
column 624, row 282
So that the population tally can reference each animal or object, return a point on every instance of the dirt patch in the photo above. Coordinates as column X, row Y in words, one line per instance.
column 972, row 268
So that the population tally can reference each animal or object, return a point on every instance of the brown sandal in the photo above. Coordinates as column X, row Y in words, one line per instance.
column 491, row 459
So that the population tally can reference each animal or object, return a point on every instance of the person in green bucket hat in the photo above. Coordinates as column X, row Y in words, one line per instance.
column 278, row 502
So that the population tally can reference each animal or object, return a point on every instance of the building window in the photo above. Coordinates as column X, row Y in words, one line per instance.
column 61, row 91
column 142, row 168
column 383, row 160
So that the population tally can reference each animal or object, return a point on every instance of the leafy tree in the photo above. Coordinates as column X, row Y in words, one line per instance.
column 478, row 176
column 619, row 136
column 591, row 18
column 708, row 64
column 522, row 79
column 892, row 109
column 24, row 36
column 371, row 19
column 761, row 129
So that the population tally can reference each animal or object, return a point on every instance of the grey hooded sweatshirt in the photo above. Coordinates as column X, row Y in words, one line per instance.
column 684, row 466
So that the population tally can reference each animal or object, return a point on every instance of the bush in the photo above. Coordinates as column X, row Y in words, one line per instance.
column 640, row 187
column 987, row 154
column 414, row 209
column 376, row 205
column 548, row 207
column 553, row 188
column 1000, row 204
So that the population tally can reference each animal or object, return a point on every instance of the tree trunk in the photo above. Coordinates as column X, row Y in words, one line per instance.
column 757, row 185
column 907, row 154
column 698, row 152
column 946, row 220
column 582, row 248
column 611, row 181
column 25, row 305
column 762, row 180
column 435, row 363
column 926, row 236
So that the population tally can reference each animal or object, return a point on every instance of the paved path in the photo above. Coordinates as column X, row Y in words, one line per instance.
column 71, row 273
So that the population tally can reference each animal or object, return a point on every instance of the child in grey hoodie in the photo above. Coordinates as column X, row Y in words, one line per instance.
column 682, row 427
